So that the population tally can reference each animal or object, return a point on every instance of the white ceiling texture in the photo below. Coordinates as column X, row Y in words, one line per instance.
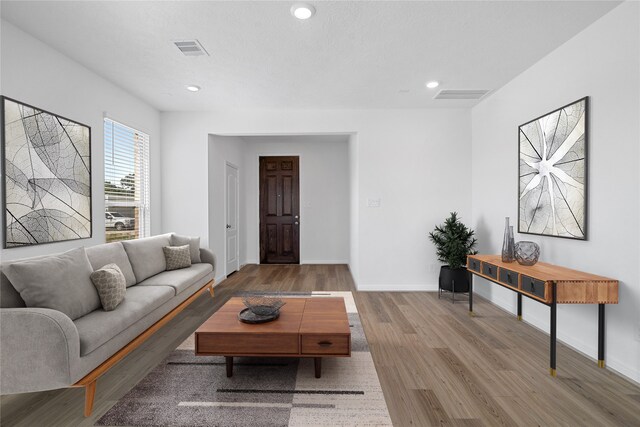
column 351, row 54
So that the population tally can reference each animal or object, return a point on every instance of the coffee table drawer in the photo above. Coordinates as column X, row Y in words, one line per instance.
column 325, row 344
column 228, row 344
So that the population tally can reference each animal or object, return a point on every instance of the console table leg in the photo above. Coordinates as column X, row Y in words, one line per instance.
column 317, row 361
column 470, row 294
column 552, row 332
column 229, row 360
column 519, row 306
column 601, row 329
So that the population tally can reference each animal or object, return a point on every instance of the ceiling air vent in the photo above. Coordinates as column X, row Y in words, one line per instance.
column 191, row 48
column 460, row 94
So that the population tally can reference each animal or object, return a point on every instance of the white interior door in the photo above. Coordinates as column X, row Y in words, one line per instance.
column 232, row 247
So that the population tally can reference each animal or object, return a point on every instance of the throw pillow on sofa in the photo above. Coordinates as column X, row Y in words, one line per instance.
column 194, row 246
column 177, row 257
column 61, row 282
column 111, row 285
column 146, row 256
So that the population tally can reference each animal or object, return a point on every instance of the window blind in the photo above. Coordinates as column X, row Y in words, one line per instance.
column 126, row 182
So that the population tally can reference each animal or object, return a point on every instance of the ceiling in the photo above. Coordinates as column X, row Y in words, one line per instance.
column 274, row 139
column 349, row 55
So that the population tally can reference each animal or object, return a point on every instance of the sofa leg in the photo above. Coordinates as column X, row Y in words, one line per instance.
column 89, row 394
column 211, row 290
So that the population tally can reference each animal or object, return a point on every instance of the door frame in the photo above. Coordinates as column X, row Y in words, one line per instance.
column 300, row 191
column 226, row 200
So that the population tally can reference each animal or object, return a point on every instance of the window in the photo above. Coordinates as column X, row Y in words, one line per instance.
column 126, row 182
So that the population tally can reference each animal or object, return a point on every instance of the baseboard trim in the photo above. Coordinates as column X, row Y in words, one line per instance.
column 219, row 280
column 354, row 277
column 307, row 261
column 410, row 287
column 323, row 261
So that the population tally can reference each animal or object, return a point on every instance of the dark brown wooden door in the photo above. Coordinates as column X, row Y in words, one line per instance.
column 279, row 210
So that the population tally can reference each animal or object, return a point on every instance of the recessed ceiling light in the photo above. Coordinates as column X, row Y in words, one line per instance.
column 433, row 85
column 303, row 10
column 193, row 88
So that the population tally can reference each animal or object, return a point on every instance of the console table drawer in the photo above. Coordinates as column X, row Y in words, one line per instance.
column 474, row 264
column 325, row 344
column 534, row 286
column 508, row 277
column 490, row 270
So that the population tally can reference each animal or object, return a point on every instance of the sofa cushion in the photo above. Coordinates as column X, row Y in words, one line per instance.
column 194, row 245
column 146, row 255
column 61, row 282
column 98, row 327
column 88, row 362
column 112, row 253
column 181, row 279
column 9, row 296
column 111, row 286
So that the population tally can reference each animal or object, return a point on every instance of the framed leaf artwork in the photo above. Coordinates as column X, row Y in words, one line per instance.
column 552, row 194
column 46, row 177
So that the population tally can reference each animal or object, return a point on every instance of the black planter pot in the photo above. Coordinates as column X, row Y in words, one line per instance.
column 454, row 279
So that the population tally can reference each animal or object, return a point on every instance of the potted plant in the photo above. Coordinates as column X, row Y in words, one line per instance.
column 454, row 241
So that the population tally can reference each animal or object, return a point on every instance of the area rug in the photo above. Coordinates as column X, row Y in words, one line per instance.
column 186, row 390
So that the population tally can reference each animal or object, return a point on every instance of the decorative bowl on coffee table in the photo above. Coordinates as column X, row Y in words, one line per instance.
column 260, row 309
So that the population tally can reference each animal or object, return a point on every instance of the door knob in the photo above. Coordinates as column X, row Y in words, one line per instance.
column 296, row 223
column 228, row 226
column 296, row 217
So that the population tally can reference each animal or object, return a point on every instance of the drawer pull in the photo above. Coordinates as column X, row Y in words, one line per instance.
column 325, row 343
column 489, row 268
column 509, row 277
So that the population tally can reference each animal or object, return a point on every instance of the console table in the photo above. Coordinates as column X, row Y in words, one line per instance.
column 550, row 285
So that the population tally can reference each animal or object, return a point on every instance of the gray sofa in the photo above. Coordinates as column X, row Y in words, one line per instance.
column 43, row 349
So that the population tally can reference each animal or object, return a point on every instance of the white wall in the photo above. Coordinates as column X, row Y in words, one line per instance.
column 34, row 73
column 324, row 195
column 415, row 161
column 223, row 149
column 354, row 211
column 603, row 63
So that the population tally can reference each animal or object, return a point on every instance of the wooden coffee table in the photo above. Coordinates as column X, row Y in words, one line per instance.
column 307, row 327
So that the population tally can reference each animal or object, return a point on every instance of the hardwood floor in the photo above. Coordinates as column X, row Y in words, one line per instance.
column 437, row 365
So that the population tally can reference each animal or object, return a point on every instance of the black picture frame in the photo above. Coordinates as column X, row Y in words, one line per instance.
column 3, row 183
column 581, row 164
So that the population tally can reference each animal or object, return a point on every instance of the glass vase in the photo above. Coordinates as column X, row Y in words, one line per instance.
column 527, row 253
column 508, row 246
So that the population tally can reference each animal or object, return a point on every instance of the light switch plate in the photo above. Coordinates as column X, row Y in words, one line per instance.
column 374, row 203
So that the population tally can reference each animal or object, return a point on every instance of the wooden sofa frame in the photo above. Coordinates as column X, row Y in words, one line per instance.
column 89, row 381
